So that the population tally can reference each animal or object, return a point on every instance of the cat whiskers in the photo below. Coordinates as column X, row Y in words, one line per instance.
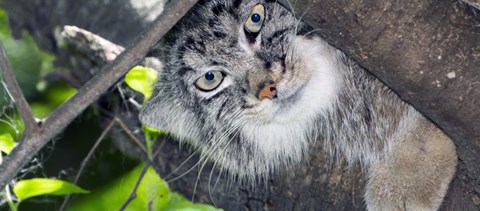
column 216, row 144
column 292, row 10
column 190, row 157
column 205, row 161
column 299, row 19
column 215, row 185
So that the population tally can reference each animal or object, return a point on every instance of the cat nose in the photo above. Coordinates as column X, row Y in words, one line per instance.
column 268, row 91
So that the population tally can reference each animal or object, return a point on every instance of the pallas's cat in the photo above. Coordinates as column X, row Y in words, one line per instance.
column 246, row 85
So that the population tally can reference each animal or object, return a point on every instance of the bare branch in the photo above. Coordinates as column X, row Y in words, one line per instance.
column 133, row 194
column 92, row 90
column 98, row 48
column 16, row 93
column 87, row 159
column 131, row 135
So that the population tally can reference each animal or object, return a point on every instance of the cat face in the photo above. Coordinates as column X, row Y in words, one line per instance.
column 242, row 86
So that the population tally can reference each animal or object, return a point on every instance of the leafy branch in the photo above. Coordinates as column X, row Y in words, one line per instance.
column 41, row 132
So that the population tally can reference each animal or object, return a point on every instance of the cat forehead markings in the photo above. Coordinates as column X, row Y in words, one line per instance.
column 220, row 43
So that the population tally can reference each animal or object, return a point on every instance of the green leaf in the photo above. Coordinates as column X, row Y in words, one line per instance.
column 152, row 194
column 142, row 79
column 30, row 64
column 4, row 29
column 6, row 143
column 152, row 191
column 25, row 189
column 151, row 135
column 181, row 203
column 40, row 109
column 55, row 95
column 152, row 131
column 10, row 122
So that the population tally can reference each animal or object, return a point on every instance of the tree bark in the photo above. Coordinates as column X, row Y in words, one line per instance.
column 425, row 51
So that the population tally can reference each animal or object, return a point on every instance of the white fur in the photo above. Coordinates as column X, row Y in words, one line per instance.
column 270, row 133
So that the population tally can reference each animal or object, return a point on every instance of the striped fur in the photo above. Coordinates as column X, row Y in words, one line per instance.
column 321, row 94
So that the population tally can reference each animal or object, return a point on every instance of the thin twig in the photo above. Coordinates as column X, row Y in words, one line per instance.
column 131, row 135
column 13, row 89
column 133, row 194
column 91, row 91
column 87, row 159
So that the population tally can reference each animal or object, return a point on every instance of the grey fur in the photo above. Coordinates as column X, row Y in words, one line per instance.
column 353, row 113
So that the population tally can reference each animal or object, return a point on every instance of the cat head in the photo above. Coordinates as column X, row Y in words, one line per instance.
column 243, row 86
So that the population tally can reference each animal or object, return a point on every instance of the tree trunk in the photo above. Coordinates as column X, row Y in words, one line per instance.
column 426, row 51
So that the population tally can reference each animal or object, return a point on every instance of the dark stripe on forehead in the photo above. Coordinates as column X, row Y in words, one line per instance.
column 213, row 21
column 237, row 3
column 218, row 9
column 193, row 44
column 184, row 70
column 220, row 34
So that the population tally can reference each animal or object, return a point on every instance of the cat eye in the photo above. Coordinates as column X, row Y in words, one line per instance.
column 254, row 22
column 209, row 81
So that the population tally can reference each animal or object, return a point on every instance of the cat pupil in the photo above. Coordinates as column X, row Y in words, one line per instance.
column 255, row 17
column 209, row 76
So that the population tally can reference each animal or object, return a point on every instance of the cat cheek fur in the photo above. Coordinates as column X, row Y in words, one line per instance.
column 156, row 113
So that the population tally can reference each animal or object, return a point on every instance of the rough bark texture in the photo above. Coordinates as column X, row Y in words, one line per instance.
column 315, row 184
column 427, row 51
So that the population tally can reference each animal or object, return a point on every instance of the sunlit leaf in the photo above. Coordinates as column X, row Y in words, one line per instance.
column 142, row 79
column 153, row 193
column 151, row 135
column 41, row 110
column 58, row 93
column 152, row 190
column 4, row 29
column 6, row 143
column 10, row 122
column 151, row 130
column 55, row 95
column 179, row 202
column 25, row 189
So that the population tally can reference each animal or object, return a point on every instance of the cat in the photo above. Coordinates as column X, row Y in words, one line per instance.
column 249, row 87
